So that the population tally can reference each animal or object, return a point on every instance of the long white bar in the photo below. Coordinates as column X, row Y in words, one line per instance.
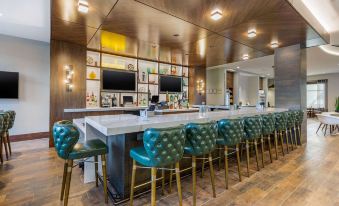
column 125, row 123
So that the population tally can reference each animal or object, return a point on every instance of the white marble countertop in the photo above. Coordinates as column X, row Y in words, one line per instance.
column 176, row 110
column 126, row 123
column 100, row 109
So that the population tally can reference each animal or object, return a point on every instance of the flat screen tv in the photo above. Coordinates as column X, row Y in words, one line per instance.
column 170, row 84
column 9, row 85
column 118, row 80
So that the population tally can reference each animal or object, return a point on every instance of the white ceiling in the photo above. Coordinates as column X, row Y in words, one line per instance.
column 28, row 19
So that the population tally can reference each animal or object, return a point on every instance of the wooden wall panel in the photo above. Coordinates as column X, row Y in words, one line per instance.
column 195, row 74
column 63, row 53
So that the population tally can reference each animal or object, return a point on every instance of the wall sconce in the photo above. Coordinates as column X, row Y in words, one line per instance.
column 200, row 86
column 69, row 77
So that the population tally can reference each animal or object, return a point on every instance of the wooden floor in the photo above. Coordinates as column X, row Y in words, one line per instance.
column 306, row 176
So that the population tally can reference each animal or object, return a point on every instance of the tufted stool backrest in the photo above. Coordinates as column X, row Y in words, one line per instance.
column 231, row 131
column 291, row 120
column 6, row 119
column 300, row 117
column 253, row 127
column 280, row 121
column 164, row 146
column 268, row 124
column 3, row 117
column 202, row 137
column 11, row 119
column 65, row 137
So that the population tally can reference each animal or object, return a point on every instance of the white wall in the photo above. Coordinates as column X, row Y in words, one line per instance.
column 32, row 60
column 215, row 80
column 271, row 96
column 248, row 89
column 333, row 87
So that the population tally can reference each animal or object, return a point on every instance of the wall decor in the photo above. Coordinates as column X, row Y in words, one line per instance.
column 92, row 93
column 93, row 73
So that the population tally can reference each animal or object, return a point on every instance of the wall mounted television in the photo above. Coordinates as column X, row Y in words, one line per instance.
column 118, row 80
column 9, row 85
column 170, row 84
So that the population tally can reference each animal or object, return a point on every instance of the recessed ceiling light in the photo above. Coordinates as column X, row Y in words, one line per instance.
column 238, row 67
column 176, row 35
column 245, row 57
column 1, row 14
column 274, row 44
column 216, row 14
column 83, row 6
column 251, row 33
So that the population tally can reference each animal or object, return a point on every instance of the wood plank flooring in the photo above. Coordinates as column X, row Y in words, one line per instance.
column 306, row 176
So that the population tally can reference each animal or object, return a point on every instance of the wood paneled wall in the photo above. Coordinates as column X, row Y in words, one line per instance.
column 196, row 74
column 63, row 53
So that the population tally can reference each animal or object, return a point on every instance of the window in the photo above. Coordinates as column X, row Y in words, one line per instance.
column 316, row 94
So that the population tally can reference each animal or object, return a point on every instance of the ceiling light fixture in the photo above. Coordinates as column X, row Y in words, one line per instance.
column 251, row 33
column 274, row 44
column 238, row 67
column 1, row 14
column 83, row 6
column 216, row 15
column 245, row 57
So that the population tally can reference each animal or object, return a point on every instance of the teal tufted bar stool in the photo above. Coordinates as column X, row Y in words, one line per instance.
column 268, row 128
column 299, row 114
column 66, row 144
column 291, row 121
column 4, row 142
column 252, row 133
column 200, row 141
column 280, row 127
column 230, row 134
column 162, row 148
column 12, row 115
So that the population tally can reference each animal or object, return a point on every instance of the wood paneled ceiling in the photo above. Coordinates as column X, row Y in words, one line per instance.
column 152, row 24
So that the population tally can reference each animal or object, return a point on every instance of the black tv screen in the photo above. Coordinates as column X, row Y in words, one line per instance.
column 9, row 85
column 170, row 84
column 118, row 80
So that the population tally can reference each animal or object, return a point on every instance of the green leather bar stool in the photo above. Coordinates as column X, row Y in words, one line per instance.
column 12, row 115
column 3, row 141
column 280, row 127
column 253, row 132
column 162, row 148
column 3, row 117
column 268, row 128
column 230, row 134
column 200, row 141
column 291, row 121
column 299, row 114
column 66, row 137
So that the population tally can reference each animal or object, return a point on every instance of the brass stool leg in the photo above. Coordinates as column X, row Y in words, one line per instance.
column 4, row 141
column 194, row 179
column 238, row 162
column 256, row 153
column 299, row 129
column 262, row 152
column 96, row 170
column 170, row 180
column 9, row 143
column 212, row 173
column 226, row 167
column 203, row 166
column 269, row 147
column 68, row 180
column 64, row 175
column 295, row 137
column 276, row 144
column 177, row 174
column 132, row 183
column 282, row 143
column 104, row 173
column 153, row 185
column 287, row 141
column 163, row 182
column 248, row 158
column 291, row 136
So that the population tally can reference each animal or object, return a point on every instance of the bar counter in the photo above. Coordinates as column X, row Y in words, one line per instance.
column 123, row 132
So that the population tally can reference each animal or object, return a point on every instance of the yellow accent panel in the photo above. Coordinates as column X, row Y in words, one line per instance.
column 114, row 41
